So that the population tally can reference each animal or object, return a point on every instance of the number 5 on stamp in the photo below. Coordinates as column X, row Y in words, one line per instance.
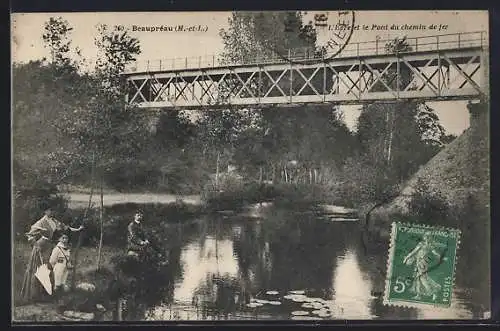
column 421, row 265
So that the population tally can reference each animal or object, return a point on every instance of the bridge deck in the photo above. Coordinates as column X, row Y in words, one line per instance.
column 436, row 74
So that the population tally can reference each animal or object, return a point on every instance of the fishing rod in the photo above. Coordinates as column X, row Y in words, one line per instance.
column 80, row 234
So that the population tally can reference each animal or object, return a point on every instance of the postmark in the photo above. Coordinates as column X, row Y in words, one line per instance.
column 421, row 265
column 333, row 32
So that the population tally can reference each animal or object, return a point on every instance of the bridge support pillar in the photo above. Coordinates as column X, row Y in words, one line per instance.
column 478, row 143
column 478, row 116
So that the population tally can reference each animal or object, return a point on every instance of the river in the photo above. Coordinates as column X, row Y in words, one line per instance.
column 283, row 265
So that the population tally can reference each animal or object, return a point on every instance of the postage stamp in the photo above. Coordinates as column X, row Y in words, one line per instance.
column 421, row 265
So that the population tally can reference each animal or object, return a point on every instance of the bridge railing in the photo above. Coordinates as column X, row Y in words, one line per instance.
column 353, row 49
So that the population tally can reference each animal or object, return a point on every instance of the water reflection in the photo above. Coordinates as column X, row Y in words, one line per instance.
column 352, row 299
column 458, row 309
column 285, row 266
column 213, row 258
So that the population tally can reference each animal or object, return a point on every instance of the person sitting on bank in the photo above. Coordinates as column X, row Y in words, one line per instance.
column 138, row 245
column 136, row 237
column 61, row 264
column 40, row 235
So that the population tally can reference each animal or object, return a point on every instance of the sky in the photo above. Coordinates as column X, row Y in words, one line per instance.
column 27, row 43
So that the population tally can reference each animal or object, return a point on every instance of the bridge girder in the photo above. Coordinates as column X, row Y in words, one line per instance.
column 431, row 75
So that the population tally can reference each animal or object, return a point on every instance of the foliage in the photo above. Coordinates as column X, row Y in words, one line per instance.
column 394, row 139
column 428, row 205
column 56, row 37
column 157, row 218
column 32, row 195
column 66, row 121
column 265, row 35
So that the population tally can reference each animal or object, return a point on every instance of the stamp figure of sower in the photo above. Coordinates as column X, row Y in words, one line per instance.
column 421, row 265
column 423, row 285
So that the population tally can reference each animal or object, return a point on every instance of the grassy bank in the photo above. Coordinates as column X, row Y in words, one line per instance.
column 158, row 218
column 85, row 273
column 282, row 194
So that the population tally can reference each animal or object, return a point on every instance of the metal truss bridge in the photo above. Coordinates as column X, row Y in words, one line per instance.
column 439, row 67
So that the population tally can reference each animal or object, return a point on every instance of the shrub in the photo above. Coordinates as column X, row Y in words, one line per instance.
column 427, row 204
column 32, row 195
column 117, row 217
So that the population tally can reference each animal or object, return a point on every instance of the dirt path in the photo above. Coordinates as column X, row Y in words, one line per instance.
column 80, row 200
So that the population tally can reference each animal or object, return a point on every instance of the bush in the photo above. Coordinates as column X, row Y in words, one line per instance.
column 363, row 182
column 32, row 195
column 428, row 205
column 283, row 194
column 117, row 218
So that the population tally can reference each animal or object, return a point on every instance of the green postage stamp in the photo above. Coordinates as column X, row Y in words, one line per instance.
column 421, row 265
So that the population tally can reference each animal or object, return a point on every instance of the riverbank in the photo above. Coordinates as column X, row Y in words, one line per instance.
column 81, row 199
column 47, row 311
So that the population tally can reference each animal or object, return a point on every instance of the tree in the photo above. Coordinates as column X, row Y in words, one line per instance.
column 264, row 35
column 218, row 132
column 56, row 37
column 280, row 138
column 399, row 137
column 106, row 133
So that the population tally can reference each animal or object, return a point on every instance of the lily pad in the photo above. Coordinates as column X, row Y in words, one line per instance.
column 316, row 305
column 302, row 318
column 261, row 301
column 272, row 293
column 307, row 305
column 254, row 304
column 300, row 313
column 297, row 292
column 317, row 300
column 324, row 313
column 275, row 303
column 299, row 299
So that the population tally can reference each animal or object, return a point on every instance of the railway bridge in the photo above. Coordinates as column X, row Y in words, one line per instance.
column 434, row 68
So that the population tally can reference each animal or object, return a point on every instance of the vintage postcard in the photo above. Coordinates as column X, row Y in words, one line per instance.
column 288, row 165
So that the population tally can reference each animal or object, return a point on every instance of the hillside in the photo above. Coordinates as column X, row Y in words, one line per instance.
column 460, row 169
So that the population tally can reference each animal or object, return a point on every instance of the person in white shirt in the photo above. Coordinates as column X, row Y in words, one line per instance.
column 40, row 235
column 61, row 264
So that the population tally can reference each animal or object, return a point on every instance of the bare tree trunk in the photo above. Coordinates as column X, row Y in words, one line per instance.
column 391, row 130
column 316, row 181
column 217, row 172
column 80, row 235
column 273, row 173
column 101, row 217
column 386, row 139
column 285, row 173
column 260, row 174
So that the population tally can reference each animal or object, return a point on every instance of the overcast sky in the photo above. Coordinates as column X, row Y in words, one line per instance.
column 27, row 41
